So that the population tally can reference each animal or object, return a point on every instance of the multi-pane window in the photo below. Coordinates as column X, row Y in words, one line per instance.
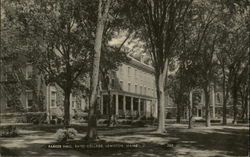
column 121, row 70
column 29, row 71
column 113, row 83
column 218, row 98
column 129, row 87
column 9, row 75
column 121, row 84
column 29, row 99
column 73, row 101
column 135, row 88
column 129, row 71
column 53, row 99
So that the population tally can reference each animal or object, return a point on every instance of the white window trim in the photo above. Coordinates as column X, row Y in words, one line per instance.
column 121, row 82
column 26, row 98
column 52, row 90
column 26, row 71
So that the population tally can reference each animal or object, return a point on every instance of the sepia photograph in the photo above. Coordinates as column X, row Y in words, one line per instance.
column 121, row 78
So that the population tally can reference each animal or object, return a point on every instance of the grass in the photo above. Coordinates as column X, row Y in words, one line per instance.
column 200, row 141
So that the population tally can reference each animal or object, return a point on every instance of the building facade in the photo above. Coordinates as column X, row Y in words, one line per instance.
column 133, row 91
column 197, row 99
column 23, row 90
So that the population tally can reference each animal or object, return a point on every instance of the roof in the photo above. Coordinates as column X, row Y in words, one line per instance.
column 140, row 65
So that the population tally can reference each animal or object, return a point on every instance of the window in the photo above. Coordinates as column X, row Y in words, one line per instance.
column 113, row 83
column 29, row 71
column 199, row 113
column 73, row 100
column 29, row 99
column 73, row 103
column 9, row 76
column 135, row 88
column 129, row 69
column 145, row 90
column 218, row 98
column 149, row 91
column 129, row 88
column 121, row 70
column 53, row 99
column 121, row 84
column 8, row 103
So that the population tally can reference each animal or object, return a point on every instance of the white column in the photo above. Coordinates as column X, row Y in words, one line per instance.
column 48, row 104
column 132, row 106
column 203, row 103
column 116, row 104
column 189, row 113
column 139, row 106
column 213, row 100
column 124, row 104
column 101, row 106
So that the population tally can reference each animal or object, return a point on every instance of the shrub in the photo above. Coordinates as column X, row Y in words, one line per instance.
column 52, row 121
column 124, row 121
column 80, row 114
column 9, row 131
column 36, row 117
column 138, row 123
column 56, row 120
column 65, row 134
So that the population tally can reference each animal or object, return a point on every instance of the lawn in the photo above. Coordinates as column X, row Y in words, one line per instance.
column 199, row 141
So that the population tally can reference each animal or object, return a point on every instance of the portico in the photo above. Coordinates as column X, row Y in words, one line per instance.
column 128, row 105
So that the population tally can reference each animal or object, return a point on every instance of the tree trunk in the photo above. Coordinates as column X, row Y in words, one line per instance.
column 67, row 107
column 112, row 117
column 161, row 82
column 190, row 110
column 92, row 123
column 207, row 107
column 224, row 121
column 190, row 117
column 235, row 98
column 178, row 113
column 161, row 113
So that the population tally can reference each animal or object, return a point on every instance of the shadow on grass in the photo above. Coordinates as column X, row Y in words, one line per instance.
column 232, row 141
column 6, row 152
column 225, row 141
column 79, row 128
column 142, row 149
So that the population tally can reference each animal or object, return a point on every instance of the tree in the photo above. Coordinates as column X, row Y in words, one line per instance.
column 13, row 80
column 181, row 84
column 55, row 38
column 202, row 47
column 161, row 21
column 231, row 27
column 103, row 9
